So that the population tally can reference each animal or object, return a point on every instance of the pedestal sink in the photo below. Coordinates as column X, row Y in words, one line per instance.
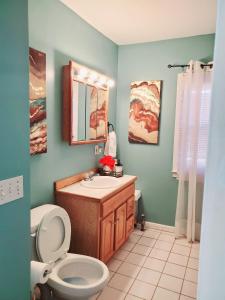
column 101, row 182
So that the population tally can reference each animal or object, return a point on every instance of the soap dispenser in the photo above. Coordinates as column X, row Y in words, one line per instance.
column 118, row 170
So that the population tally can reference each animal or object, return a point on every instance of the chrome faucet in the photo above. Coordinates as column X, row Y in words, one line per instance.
column 89, row 176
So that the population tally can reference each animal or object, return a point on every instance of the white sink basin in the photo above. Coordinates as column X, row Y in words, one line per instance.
column 101, row 182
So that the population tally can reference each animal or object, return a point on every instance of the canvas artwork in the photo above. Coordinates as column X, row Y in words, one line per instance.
column 37, row 98
column 144, row 112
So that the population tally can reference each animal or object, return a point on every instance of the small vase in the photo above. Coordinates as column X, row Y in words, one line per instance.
column 107, row 171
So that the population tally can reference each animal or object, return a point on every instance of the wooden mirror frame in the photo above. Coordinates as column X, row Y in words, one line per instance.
column 67, row 108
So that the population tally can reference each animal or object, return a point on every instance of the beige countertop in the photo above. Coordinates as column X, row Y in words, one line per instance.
column 78, row 189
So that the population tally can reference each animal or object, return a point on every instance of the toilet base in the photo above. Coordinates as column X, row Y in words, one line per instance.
column 56, row 297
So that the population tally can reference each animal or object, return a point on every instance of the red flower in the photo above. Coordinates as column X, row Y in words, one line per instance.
column 107, row 161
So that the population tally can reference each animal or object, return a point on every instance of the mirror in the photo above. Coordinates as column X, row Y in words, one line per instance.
column 79, row 96
column 85, row 105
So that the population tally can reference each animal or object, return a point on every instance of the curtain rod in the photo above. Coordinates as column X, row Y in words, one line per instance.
column 184, row 66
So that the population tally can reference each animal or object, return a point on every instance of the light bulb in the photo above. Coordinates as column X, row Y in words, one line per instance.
column 102, row 81
column 111, row 83
column 98, row 83
column 93, row 77
column 83, row 73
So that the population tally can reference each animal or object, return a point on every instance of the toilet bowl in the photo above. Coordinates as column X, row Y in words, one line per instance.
column 78, row 275
column 73, row 276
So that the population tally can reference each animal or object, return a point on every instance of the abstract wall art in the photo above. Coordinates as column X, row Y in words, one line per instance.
column 37, row 99
column 144, row 114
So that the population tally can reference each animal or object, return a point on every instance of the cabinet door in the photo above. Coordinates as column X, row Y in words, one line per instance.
column 130, row 226
column 130, row 206
column 107, row 237
column 120, row 234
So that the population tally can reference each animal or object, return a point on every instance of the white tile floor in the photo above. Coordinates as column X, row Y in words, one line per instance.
column 153, row 266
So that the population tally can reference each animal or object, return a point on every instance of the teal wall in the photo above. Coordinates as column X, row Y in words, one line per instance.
column 153, row 163
column 62, row 35
column 212, row 252
column 14, row 152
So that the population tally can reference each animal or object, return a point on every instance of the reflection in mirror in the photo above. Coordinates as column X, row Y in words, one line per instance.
column 79, row 96
column 91, row 112
column 101, row 120
column 96, row 110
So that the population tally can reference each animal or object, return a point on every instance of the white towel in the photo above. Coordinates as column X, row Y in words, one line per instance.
column 110, row 146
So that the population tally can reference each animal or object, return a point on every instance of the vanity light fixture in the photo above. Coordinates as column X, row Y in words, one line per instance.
column 91, row 77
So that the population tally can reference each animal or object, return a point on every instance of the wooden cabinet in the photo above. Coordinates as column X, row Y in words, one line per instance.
column 129, row 225
column 99, row 226
column 130, row 206
column 107, row 237
column 120, row 225
column 114, row 232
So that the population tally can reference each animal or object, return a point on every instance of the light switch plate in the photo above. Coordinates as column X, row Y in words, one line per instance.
column 11, row 189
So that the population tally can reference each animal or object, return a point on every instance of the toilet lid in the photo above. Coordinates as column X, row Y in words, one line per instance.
column 53, row 236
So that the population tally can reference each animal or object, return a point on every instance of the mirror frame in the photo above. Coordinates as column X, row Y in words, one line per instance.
column 67, row 107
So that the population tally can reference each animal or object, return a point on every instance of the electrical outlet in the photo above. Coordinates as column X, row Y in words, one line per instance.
column 98, row 149
column 11, row 189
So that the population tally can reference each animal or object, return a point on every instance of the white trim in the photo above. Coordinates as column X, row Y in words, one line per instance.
column 151, row 225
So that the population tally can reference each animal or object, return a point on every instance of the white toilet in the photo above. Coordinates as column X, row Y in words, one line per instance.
column 73, row 276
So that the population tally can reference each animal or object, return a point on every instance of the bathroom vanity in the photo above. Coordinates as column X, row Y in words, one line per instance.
column 101, row 218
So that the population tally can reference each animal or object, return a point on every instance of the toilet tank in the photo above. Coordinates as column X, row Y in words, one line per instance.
column 36, row 216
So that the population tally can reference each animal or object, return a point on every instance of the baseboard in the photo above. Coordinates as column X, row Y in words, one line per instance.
column 159, row 227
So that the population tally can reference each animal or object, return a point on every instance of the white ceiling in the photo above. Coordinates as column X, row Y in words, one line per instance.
column 137, row 21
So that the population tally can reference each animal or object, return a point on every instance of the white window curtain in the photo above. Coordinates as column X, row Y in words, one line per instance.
column 190, row 147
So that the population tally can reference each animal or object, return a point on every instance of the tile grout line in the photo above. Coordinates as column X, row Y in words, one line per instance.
column 185, row 272
column 148, row 256
column 130, row 251
column 163, row 268
column 143, row 261
column 157, row 239
column 139, row 270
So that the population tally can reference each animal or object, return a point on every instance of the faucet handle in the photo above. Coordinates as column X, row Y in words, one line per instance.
column 86, row 176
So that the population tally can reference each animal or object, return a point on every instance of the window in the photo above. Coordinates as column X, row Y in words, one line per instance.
column 192, row 122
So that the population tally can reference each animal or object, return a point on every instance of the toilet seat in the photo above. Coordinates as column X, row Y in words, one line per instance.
column 78, row 267
column 56, row 223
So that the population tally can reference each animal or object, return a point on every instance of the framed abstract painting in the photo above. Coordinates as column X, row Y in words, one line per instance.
column 37, row 99
column 144, row 114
